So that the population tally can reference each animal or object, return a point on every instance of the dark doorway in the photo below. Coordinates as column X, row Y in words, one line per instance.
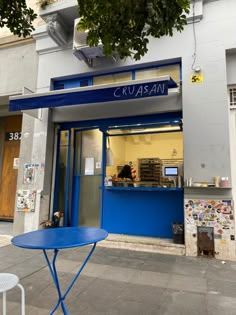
column 205, row 241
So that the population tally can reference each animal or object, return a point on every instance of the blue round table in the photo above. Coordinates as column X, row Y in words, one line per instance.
column 56, row 239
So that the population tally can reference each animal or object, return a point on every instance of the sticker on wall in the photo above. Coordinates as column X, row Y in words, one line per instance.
column 98, row 164
column 26, row 200
column 227, row 202
column 29, row 173
column 215, row 213
column 224, row 242
column 196, row 78
column 16, row 163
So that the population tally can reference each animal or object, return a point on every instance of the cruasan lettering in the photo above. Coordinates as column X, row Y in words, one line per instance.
column 142, row 90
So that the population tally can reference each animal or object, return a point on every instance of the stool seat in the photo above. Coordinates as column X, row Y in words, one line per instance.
column 8, row 281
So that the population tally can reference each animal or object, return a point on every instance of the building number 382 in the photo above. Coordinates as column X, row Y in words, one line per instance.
column 13, row 136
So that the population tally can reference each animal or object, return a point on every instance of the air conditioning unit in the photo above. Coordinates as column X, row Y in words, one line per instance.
column 80, row 48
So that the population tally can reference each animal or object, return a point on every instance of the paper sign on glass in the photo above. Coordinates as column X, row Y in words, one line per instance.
column 89, row 166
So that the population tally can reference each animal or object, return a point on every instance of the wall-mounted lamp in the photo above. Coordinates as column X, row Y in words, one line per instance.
column 197, row 68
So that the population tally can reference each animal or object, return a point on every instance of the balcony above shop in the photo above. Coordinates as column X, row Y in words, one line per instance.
column 57, row 32
column 66, row 9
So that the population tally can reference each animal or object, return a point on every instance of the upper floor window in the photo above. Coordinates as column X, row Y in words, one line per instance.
column 173, row 70
column 112, row 78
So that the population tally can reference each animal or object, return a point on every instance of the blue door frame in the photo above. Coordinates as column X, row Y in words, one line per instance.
column 57, row 174
column 76, row 177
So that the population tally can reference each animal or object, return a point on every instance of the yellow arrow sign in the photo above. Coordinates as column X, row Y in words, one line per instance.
column 196, row 78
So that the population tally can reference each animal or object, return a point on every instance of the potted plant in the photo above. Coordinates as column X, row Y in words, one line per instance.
column 57, row 220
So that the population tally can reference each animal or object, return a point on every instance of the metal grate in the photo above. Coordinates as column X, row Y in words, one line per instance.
column 232, row 97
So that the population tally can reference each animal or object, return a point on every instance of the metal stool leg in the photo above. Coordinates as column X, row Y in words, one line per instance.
column 22, row 299
column 4, row 308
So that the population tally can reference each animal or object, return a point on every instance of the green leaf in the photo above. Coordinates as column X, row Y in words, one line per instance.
column 123, row 26
column 16, row 16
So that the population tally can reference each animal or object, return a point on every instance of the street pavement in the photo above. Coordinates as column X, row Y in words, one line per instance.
column 122, row 282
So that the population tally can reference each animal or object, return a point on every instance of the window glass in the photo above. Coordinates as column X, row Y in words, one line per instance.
column 84, row 82
column 63, row 153
column 173, row 71
column 58, row 86
column 113, row 78
column 146, row 154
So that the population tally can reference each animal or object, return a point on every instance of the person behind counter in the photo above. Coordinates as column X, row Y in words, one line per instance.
column 126, row 172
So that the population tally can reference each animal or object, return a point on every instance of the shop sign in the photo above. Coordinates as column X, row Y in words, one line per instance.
column 13, row 136
column 92, row 95
column 140, row 90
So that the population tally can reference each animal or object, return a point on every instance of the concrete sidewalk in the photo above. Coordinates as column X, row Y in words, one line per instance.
column 123, row 282
column 6, row 229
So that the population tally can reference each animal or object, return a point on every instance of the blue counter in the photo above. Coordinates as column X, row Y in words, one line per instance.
column 143, row 211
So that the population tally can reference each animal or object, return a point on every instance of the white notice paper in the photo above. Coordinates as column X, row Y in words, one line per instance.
column 89, row 166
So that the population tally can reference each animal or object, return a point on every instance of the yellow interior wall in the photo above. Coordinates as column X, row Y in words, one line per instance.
column 131, row 148
column 117, row 145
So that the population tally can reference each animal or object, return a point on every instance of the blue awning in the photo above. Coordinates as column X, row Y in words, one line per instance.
column 94, row 94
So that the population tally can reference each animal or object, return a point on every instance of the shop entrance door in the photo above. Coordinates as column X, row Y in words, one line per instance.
column 8, row 178
column 87, row 177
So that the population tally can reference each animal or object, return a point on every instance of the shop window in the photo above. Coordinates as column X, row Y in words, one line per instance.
column 172, row 70
column 84, row 82
column 148, row 155
column 59, row 86
column 71, row 83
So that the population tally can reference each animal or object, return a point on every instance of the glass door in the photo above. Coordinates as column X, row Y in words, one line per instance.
column 87, row 177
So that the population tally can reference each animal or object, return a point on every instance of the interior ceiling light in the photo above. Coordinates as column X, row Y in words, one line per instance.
column 145, row 130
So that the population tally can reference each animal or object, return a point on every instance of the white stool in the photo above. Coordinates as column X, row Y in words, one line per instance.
column 9, row 281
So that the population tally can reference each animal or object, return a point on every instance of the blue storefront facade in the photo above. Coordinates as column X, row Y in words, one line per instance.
column 147, row 210
column 151, row 111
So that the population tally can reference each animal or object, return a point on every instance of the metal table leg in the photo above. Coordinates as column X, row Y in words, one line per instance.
column 53, row 271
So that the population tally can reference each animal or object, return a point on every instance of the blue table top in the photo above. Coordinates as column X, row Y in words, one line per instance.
column 61, row 237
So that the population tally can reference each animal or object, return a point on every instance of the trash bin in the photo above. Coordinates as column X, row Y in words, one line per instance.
column 178, row 233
